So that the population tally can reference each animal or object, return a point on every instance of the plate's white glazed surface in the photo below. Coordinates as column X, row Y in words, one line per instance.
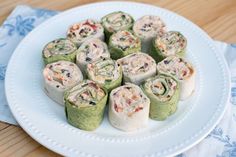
column 45, row 121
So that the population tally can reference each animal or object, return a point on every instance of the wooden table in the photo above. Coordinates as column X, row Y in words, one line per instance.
column 216, row 17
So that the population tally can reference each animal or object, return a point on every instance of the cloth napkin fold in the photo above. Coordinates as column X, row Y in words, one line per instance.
column 221, row 142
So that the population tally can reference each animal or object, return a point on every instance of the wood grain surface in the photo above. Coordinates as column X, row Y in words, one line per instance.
column 216, row 17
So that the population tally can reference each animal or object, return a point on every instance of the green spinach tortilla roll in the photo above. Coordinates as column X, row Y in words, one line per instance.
column 84, row 30
column 85, row 104
column 60, row 76
column 163, row 92
column 123, row 43
column 171, row 43
column 105, row 72
column 128, row 108
column 182, row 71
column 59, row 49
column 137, row 67
column 115, row 22
column 90, row 51
column 147, row 28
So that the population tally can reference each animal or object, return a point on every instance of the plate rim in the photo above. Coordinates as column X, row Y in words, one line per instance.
column 49, row 142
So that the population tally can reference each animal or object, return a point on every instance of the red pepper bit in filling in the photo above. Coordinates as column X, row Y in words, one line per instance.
column 184, row 73
column 85, row 95
column 126, row 33
column 49, row 78
column 74, row 27
column 138, row 109
column 118, row 108
column 129, row 101
column 134, row 97
column 94, row 27
column 93, row 85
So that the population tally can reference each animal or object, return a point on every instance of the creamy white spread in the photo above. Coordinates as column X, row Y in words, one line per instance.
column 135, row 64
column 117, row 21
column 176, row 66
column 84, row 29
column 86, row 93
column 171, row 43
column 162, row 87
column 128, row 100
column 92, row 50
column 62, row 74
column 104, row 70
column 59, row 47
column 149, row 26
column 124, row 40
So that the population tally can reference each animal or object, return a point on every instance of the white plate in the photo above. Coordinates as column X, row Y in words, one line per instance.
column 45, row 121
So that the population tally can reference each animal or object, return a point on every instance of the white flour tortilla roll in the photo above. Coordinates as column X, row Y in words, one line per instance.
column 147, row 28
column 137, row 67
column 84, row 30
column 60, row 76
column 90, row 51
column 181, row 70
column 128, row 108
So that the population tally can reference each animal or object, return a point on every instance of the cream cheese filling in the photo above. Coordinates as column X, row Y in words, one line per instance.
column 171, row 43
column 163, row 87
column 149, row 26
column 85, row 94
column 82, row 30
column 59, row 47
column 116, row 21
column 124, row 40
column 92, row 50
column 62, row 74
column 177, row 67
column 104, row 70
column 137, row 63
column 128, row 100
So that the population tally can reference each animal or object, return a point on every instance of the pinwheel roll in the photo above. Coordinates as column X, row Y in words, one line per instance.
column 123, row 43
column 147, row 28
column 137, row 67
column 171, row 43
column 181, row 70
column 115, row 22
column 85, row 104
column 105, row 72
column 128, row 108
column 90, row 51
column 84, row 30
column 59, row 49
column 60, row 76
column 163, row 92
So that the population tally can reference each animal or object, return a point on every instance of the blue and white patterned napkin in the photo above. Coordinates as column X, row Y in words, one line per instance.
column 18, row 24
column 221, row 142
